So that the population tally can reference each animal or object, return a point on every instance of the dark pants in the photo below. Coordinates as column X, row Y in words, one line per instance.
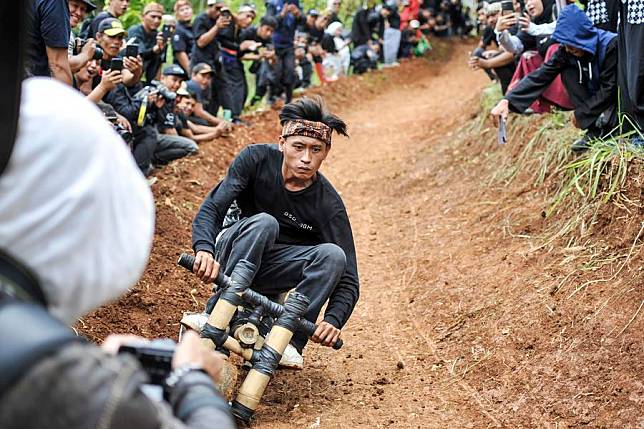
column 235, row 88
column 171, row 147
column 145, row 144
column 311, row 270
column 478, row 52
column 284, row 70
column 217, row 89
column 630, row 72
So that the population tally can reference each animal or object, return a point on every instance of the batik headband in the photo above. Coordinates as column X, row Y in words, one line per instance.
column 302, row 127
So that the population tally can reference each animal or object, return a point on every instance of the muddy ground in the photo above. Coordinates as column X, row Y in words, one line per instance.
column 463, row 321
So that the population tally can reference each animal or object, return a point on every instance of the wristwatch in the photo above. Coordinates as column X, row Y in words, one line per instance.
column 178, row 373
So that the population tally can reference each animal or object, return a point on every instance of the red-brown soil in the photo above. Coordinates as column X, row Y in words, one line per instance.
column 461, row 322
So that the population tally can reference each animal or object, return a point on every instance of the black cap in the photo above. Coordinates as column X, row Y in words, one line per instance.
column 90, row 6
column 175, row 70
column 313, row 12
column 111, row 27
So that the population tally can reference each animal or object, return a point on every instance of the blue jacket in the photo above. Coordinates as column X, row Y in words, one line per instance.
column 574, row 29
column 284, row 34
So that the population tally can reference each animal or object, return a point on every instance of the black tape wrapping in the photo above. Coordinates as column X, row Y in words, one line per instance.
column 266, row 360
column 242, row 271
column 218, row 336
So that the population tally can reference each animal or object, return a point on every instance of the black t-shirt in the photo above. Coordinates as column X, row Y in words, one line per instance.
column 48, row 26
column 166, row 118
column 93, row 27
column 202, row 95
column 312, row 216
column 208, row 54
column 183, row 39
column 489, row 36
column 147, row 41
column 328, row 43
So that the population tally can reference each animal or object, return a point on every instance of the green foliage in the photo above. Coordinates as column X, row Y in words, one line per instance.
column 133, row 15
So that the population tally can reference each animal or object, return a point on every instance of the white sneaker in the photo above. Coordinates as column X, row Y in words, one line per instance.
column 193, row 321
column 291, row 358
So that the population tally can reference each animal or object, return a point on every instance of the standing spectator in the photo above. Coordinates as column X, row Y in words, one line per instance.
column 631, row 65
column 151, row 42
column 332, row 10
column 206, row 49
column 115, row 9
column 604, row 14
column 289, row 17
column 261, row 65
column 390, row 34
column 78, row 9
column 184, row 37
column 309, row 24
column 363, row 25
column 338, row 55
column 232, row 49
column 455, row 11
column 48, row 39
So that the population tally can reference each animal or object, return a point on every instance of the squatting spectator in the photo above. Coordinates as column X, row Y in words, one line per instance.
column 199, row 85
column 187, row 127
column 587, row 63
column 497, row 63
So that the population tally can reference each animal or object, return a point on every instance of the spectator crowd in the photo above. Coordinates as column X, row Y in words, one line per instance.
column 176, row 80
column 550, row 54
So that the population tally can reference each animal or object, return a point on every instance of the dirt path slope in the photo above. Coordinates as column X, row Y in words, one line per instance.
column 455, row 326
column 452, row 328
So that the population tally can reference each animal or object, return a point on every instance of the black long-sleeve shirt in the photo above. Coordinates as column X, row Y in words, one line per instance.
column 309, row 217
column 588, row 103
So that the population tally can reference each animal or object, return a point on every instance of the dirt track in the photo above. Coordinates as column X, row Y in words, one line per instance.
column 454, row 327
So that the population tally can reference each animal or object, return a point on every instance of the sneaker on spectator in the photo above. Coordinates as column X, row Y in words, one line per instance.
column 291, row 358
column 638, row 141
column 580, row 145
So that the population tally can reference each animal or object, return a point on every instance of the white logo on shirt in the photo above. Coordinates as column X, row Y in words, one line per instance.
column 300, row 224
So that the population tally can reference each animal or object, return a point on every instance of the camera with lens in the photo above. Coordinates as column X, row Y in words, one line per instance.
column 163, row 91
column 123, row 132
column 78, row 46
column 156, row 87
column 156, row 359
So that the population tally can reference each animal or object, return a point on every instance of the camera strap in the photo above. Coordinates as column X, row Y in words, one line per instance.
column 27, row 331
column 142, row 111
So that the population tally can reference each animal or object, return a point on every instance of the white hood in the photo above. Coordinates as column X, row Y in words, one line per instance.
column 74, row 207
